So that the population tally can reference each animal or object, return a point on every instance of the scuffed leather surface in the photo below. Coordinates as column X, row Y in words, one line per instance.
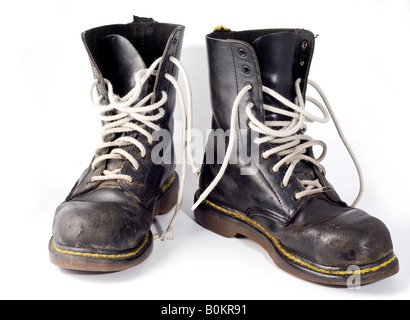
column 115, row 215
column 101, row 223
column 330, row 235
column 320, row 228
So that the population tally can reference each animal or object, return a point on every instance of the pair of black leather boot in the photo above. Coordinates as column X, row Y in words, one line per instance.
column 273, row 190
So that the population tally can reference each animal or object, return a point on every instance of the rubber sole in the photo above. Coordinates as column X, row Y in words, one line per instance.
column 99, row 261
column 111, row 261
column 229, row 223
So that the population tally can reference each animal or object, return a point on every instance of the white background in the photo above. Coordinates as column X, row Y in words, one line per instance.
column 49, row 131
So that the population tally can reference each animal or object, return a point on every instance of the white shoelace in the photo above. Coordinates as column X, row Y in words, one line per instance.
column 127, row 117
column 288, row 138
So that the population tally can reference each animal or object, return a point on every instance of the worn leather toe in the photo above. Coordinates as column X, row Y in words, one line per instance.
column 98, row 226
column 332, row 235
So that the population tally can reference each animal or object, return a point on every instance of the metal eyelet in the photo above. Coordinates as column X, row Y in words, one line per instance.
column 246, row 70
column 283, row 186
column 304, row 44
column 294, row 197
column 273, row 171
column 242, row 53
column 302, row 62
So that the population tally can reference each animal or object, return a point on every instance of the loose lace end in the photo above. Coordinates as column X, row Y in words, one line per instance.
column 123, row 121
column 166, row 235
column 288, row 138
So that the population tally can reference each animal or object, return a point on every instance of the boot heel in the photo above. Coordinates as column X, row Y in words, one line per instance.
column 169, row 199
column 213, row 221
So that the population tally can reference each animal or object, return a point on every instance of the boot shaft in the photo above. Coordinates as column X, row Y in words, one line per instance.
column 151, row 40
column 116, row 53
column 275, row 58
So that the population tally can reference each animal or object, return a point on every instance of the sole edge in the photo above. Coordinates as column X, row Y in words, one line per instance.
column 229, row 223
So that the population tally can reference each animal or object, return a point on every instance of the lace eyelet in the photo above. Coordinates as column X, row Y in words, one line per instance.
column 302, row 62
column 294, row 198
column 304, row 44
column 242, row 53
column 246, row 70
column 283, row 186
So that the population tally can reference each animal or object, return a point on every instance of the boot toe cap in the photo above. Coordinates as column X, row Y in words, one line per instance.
column 355, row 238
column 346, row 237
column 97, row 226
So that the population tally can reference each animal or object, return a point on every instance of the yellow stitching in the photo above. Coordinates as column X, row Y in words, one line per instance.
column 106, row 256
column 291, row 257
column 169, row 183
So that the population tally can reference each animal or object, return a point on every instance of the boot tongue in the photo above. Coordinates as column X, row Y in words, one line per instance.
column 119, row 63
column 276, row 57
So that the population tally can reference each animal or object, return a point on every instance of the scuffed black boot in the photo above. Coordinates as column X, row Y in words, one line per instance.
column 104, row 224
column 278, row 195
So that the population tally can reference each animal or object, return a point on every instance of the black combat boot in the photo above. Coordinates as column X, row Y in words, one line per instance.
column 274, row 191
column 104, row 224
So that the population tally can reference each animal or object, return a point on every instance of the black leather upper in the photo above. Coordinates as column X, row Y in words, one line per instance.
column 119, row 62
column 238, row 62
column 283, row 58
column 319, row 227
column 115, row 214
